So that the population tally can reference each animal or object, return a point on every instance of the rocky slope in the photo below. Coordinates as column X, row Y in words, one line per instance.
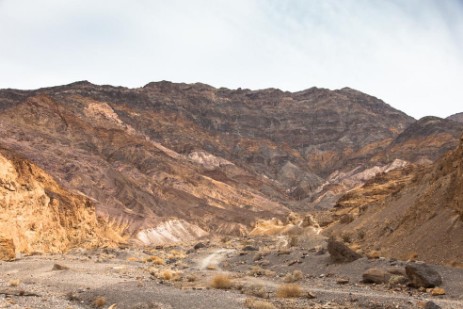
column 39, row 216
column 456, row 117
column 414, row 213
column 176, row 161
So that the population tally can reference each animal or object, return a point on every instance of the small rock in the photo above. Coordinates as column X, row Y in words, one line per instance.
column 376, row 275
column 342, row 281
column 199, row 245
column 437, row 292
column 423, row 275
column 310, row 295
column 59, row 267
column 293, row 262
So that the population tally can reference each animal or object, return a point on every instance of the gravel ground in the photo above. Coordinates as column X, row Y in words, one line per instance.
column 123, row 278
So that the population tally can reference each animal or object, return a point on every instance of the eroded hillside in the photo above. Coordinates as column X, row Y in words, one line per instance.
column 412, row 213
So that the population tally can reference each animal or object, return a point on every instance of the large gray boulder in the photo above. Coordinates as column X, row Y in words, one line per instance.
column 422, row 275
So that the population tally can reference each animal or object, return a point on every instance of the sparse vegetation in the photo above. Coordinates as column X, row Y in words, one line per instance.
column 258, row 304
column 221, row 281
column 14, row 282
column 99, row 302
column 293, row 277
column 289, row 291
column 156, row 260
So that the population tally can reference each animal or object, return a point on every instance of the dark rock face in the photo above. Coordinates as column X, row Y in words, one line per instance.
column 422, row 275
column 340, row 253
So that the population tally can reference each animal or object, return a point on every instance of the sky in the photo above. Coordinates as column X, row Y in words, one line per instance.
column 408, row 53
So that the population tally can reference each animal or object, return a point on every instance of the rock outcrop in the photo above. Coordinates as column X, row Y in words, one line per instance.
column 39, row 216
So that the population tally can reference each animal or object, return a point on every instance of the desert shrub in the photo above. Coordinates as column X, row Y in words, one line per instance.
column 221, row 281
column 156, row 260
column 346, row 237
column 289, row 291
column 293, row 241
column 100, row 301
column 254, row 290
column 258, row 304
column 14, row 282
column 293, row 277
column 176, row 254
column 257, row 271
column 361, row 234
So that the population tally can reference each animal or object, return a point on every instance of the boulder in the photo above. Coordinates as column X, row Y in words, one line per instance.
column 7, row 250
column 423, row 275
column 376, row 275
column 340, row 253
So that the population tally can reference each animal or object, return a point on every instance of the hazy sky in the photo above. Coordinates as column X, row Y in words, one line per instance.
column 407, row 52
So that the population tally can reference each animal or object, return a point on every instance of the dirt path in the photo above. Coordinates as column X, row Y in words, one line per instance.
column 214, row 259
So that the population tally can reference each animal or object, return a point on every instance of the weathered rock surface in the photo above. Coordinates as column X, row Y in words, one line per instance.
column 422, row 275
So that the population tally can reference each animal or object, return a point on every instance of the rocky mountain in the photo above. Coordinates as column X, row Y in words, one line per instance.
column 179, row 161
column 456, row 117
column 416, row 212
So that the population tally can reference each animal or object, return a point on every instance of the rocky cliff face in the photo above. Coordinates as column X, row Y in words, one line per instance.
column 172, row 160
column 37, row 215
column 414, row 212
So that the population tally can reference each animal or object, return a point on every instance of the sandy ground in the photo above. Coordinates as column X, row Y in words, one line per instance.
column 128, row 279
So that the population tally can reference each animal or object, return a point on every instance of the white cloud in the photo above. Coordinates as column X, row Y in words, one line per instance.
column 408, row 53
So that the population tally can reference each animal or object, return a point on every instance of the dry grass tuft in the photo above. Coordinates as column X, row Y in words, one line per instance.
column 289, row 291
column 176, row 254
column 100, row 301
column 132, row 259
column 14, row 282
column 168, row 274
column 293, row 277
column 258, row 304
column 156, row 260
column 257, row 271
column 221, row 281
